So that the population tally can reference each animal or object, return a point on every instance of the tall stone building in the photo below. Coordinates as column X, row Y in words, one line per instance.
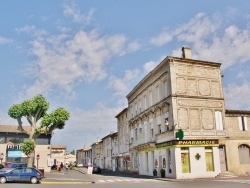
column 178, row 123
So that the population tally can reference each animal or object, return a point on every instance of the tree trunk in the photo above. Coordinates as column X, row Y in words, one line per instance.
column 31, row 159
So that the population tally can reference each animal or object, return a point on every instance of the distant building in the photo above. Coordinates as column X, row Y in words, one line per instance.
column 84, row 156
column 123, row 140
column 58, row 154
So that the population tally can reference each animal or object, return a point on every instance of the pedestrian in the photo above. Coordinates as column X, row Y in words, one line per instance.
column 66, row 168
column 155, row 172
column 61, row 167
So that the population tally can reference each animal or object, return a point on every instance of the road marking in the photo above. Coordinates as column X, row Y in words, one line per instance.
column 66, row 182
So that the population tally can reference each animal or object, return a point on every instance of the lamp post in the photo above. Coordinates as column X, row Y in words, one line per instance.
column 37, row 159
column 1, row 157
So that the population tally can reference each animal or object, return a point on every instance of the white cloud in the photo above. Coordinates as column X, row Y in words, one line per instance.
column 31, row 29
column 63, row 61
column 122, row 86
column 70, row 9
column 237, row 96
column 4, row 40
column 211, row 39
column 85, row 126
column 149, row 66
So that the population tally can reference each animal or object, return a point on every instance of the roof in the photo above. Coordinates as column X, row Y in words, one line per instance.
column 122, row 112
column 237, row 112
column 58, row 147
column 13, row 128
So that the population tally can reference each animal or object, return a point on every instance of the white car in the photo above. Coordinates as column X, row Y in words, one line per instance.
column 79, row 165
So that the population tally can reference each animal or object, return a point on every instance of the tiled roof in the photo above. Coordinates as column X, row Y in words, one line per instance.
column 58, row 147
column 12, row 128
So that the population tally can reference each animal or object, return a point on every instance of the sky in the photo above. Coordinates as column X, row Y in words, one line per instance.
column 87, row 55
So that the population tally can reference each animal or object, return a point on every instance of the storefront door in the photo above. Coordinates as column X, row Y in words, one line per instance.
column 223, row 164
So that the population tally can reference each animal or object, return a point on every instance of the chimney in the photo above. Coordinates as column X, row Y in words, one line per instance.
column 186, row 52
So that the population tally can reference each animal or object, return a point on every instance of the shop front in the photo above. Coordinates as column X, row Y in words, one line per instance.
column 185, row 159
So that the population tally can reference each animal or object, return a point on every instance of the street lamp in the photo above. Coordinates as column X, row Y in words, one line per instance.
column 1, row 157
column 37, row 159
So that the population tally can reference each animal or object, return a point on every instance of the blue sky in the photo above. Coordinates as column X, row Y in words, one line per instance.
column 86, row 56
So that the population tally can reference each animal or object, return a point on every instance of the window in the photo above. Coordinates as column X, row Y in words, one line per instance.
column 167, row 127
column 185, row 160
column 244, row 154
column 159, row 123
column 209, row 159
column 132, row 136
column 150, row 98
column 157, row 93
column 145, row 102
column 151, row 127
column 140, row 105
column 165, row 88
column 152, row 132
column 159, row 128
column 218, row 120
column 135, row 108
column 243, row 123
column 136, row 134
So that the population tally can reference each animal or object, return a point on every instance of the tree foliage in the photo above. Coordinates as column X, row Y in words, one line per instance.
column 28, row 146
column 34, row 110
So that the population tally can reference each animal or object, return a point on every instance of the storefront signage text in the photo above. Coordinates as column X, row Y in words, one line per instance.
column 11, row 146
column 187, row 143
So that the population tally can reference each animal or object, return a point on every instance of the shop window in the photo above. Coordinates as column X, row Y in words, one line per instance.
column 185, row 160
column 244, row 154
column 209, row 159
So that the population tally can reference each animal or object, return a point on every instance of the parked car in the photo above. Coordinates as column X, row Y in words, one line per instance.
column 96, row 170
column 79, row 165
column 15, row 165
column 20, row 174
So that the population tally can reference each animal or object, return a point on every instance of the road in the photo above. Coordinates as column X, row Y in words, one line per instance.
column 75, row 179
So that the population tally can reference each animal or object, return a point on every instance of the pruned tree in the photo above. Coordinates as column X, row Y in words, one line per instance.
column 41, row 122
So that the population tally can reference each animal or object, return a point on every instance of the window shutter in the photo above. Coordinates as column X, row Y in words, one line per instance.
column 245, row 122
column 240, row 123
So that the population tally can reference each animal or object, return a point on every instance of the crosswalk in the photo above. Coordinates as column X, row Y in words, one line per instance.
column 132, row 180
column 243, row 181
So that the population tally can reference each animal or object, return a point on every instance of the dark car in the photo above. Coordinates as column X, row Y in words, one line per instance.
column 1, row 166
column 20, row 174
column 96, row 170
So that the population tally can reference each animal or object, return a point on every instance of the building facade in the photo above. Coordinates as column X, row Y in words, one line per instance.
column 10, row 143
column 84, row 156
column 58, row 154
column 235, row 148
column 181, row 96
column 123, row 140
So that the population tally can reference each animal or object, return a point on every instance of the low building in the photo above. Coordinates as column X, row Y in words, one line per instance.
column 84, row 156
column 58, row 154
column 10, row 147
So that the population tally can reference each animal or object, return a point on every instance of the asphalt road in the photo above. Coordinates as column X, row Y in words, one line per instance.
column 75, row 179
